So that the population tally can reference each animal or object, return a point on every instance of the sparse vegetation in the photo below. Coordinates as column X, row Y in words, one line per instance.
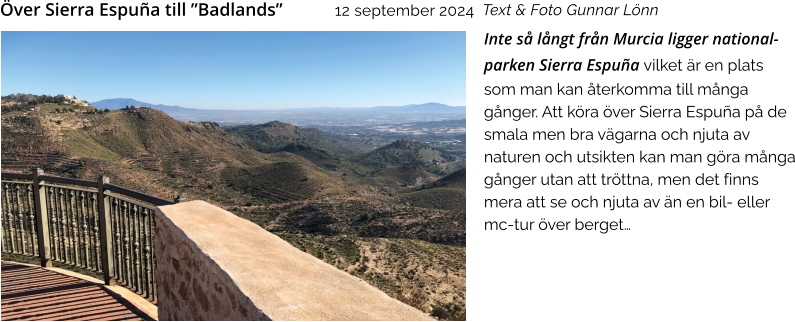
column 393, row 216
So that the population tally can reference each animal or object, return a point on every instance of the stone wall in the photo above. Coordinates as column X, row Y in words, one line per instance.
column 190, row 285
column 213, row 265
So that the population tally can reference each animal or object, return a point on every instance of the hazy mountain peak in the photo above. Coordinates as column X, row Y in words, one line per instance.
column 119, row 103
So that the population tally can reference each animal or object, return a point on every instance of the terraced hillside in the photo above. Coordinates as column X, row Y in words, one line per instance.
column 275, row 136
column 411, row 151
column 445, row 193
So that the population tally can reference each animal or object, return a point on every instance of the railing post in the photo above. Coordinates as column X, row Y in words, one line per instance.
column 42, row 224
column 105, row 232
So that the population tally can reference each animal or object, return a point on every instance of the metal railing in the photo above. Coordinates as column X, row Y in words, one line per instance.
column 92, row 225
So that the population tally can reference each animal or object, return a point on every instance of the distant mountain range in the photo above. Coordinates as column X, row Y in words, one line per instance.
column 119, row 103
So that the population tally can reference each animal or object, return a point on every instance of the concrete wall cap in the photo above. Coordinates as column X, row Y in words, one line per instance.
column 284, row 282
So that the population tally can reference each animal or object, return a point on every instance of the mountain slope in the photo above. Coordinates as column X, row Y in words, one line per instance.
column 277, row 136
column 146, row 149
column 445, row 193
column 405, row 151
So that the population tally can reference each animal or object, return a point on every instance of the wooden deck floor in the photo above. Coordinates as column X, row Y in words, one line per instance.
column 34, row 293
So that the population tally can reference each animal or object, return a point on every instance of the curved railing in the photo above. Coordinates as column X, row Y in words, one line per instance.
column 92, row 225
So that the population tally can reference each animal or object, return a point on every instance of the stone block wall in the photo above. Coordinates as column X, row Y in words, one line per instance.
column 190, row 286
column 213, row 265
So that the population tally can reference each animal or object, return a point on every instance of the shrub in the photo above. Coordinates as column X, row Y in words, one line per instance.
column 440, row 313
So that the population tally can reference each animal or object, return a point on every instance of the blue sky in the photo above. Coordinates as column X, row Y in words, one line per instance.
column 240, row 70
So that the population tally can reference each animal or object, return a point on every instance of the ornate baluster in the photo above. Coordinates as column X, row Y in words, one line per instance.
column 20, row 220
column 148, row 253
column 7, row 215
column 23, row 219
column 66, row 239
column 117, row 245
column 26, row 220
column 84, row 250
column 95, row 232
column 144, row 251
column 3, row 211
column 75, row 196
column 127, row 245
column 73, row 214
column 130, row 242
column 119, row 239
column 31, row 221
column 67, row 211
column 133, row 231
column 62, row 225
column 10, row 218
column 48, row 197
column 56, row 235
column 4, row 224
column 60, row 220
column 67, row 229
column 86, row 229
column 137, row 246
column 152, row 245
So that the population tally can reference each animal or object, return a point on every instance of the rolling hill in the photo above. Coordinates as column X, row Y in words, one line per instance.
column 276, row 136
column 407, row 151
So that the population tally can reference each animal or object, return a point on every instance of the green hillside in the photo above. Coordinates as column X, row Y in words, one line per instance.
column 446, row 193
column 143, row 149
column 276, row 136
column 405, row 151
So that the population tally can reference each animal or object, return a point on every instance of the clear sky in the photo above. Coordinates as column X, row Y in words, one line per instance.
column 240, row 70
